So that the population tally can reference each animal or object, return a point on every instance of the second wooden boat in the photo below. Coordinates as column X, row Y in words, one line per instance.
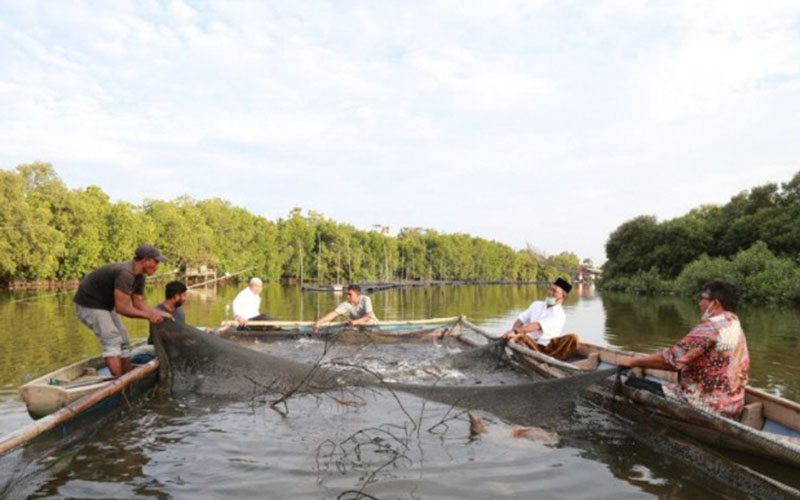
column 769, row 425
column 384, row 331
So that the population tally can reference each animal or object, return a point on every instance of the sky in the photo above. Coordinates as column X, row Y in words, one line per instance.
column 542, row 123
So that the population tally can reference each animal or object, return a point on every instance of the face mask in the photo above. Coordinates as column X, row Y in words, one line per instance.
column 706, row 315
column 550, row 301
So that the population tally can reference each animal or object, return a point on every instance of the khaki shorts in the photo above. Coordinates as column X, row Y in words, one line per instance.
column 108, row 328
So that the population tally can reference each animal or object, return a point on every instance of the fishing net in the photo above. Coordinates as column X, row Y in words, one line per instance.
column 488, row 357
column 195, row 362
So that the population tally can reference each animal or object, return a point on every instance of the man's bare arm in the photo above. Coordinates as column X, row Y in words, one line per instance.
column 325, row 319
column 520, row 329
column 126, row 305
column 652, row 361
column 159, row 315
column 363, row 319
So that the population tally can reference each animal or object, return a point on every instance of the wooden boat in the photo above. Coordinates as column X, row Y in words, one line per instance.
column 384, row 331
column 769, row 426
column 322, row 288
column 86, row 409
column 55, row 390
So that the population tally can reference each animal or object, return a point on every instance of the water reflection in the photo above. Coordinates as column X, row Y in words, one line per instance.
column 645, row 324
column 194, row 448
column 37, row 336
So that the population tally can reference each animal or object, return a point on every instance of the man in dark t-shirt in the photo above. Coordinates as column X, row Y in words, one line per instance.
column 174, row 297
column 115, row 289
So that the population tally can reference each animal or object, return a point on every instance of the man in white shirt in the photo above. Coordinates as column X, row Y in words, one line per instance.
column 357, row 308
column 540, row 326
column 247, row 303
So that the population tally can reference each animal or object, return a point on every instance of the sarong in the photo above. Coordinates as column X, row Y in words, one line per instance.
column 561, row 348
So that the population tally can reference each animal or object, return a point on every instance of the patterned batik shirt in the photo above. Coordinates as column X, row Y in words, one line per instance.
column 713, row 362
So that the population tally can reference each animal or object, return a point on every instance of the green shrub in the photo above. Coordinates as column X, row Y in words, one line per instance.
column 760, row 276
column 643, row 282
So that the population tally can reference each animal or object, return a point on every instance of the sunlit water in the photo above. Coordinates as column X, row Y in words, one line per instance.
column 374, row 442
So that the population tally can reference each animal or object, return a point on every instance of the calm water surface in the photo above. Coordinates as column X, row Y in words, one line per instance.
column 193, row 448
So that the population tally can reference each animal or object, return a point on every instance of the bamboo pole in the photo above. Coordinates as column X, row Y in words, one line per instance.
column 220, row 278
column 37, row 297
column 543, row 358
column 473, row 326
column 31, row 431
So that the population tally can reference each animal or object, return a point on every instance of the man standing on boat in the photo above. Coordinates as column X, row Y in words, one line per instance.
column 712, row 359
column 357, row 308
column 115, row 289
column 540, row 326
column 247, row 303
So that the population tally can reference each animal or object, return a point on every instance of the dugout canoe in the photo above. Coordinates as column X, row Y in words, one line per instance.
column 769, row 425
column 58, row 389
column 383, row 331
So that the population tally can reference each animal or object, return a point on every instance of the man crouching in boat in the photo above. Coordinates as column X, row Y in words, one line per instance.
column 540, row 326
column 357, row 308
column 115, row 289
column 712, row 359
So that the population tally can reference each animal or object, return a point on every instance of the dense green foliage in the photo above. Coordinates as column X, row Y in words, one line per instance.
column 752, row 241
column 53, row 232
column 760, row 275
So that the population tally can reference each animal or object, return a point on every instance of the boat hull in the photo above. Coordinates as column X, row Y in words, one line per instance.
column 770, row 426
column 59, row 388
column 387, row 331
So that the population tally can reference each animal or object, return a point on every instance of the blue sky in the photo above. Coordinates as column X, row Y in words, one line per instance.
column 540, row 122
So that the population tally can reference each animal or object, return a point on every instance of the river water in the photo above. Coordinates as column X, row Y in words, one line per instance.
column 386, row 446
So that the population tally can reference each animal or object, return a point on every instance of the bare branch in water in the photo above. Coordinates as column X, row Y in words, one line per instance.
column 285, row 397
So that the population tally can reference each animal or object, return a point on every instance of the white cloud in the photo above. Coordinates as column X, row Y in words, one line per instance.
column 462, row 116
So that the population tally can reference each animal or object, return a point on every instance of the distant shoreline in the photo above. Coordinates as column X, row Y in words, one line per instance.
column 310, row 286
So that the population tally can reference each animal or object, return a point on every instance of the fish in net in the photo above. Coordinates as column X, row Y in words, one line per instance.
column 195, row 362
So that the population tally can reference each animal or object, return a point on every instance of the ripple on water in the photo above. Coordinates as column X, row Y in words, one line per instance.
column 205, row 448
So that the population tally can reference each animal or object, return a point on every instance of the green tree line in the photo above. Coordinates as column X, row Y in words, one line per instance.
column 753, row 241
column 52, row 232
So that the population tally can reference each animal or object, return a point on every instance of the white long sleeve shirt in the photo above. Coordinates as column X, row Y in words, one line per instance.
column 551, row 319
column 246, row 304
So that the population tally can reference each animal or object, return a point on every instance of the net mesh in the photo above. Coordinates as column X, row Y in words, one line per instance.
column 194, row 362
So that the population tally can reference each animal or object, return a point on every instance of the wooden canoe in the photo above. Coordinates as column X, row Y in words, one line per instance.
column 57, row 389
column 383, row 331
column 87, row 408
column 768, row 427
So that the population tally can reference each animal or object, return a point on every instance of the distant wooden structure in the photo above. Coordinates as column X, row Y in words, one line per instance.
column 587, row 274
column 201, row 273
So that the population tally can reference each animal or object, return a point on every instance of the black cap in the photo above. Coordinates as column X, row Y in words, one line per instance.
column 562, row 284
column 146, row 251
